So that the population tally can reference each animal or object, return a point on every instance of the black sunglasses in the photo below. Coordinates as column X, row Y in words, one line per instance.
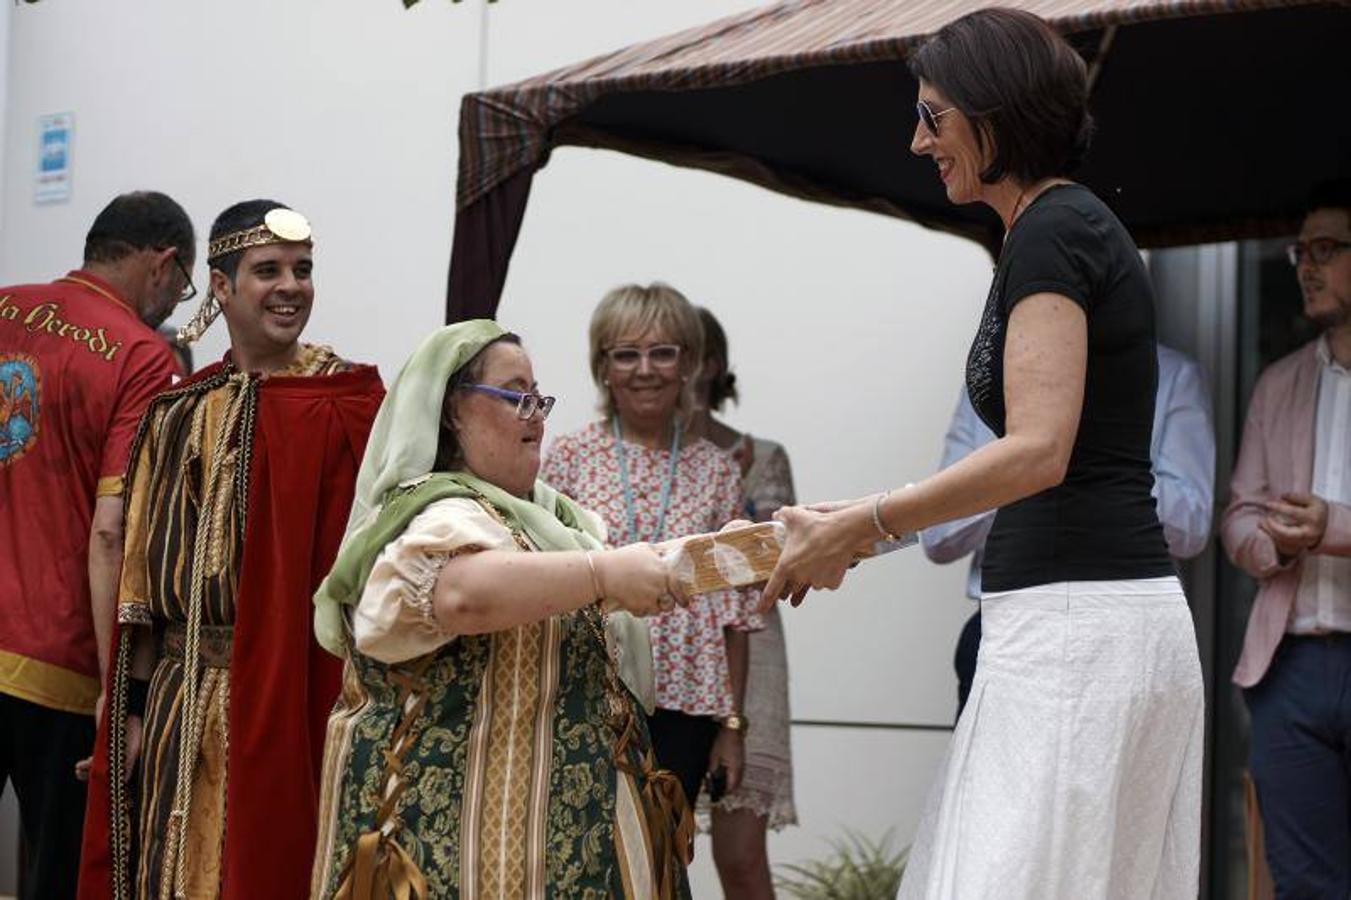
column 929, row 116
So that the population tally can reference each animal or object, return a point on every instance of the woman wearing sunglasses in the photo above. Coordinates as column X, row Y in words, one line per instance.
column 1075, row 768
column 488, row 739
column 651, row 480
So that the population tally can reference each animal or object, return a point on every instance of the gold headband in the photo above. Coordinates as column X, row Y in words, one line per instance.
column 280, row 226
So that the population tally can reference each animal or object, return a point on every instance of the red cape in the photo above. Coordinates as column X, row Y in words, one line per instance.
column 309, row 437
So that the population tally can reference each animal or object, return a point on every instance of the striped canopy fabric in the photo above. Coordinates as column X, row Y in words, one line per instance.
column 1212, row 117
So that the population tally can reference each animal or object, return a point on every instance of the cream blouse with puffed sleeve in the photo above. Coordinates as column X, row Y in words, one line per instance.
column 395, row 621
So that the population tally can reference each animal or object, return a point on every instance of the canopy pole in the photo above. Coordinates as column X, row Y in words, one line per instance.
column 1104, row 45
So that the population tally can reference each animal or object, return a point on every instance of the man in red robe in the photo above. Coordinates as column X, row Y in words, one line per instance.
column 205, row 783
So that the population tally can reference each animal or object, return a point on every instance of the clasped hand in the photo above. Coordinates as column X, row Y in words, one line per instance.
column 1295, row 523
column 638, row 579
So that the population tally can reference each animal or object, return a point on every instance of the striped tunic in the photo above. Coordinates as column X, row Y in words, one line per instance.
column 185, row 516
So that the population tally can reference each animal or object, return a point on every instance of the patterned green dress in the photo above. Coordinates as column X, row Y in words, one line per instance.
column 509, row 765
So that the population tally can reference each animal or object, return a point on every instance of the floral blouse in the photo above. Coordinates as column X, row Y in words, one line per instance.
column 688, row 651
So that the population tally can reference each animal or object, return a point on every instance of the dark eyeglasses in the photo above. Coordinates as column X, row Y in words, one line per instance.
column 1319, row 251
column 929, row 116
column 527, row 403
column 662, row 356
column 189, row 289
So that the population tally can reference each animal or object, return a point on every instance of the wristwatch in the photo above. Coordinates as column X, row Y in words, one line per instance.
column 736, row 722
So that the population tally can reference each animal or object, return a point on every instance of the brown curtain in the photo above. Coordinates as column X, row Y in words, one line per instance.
column 485, row 235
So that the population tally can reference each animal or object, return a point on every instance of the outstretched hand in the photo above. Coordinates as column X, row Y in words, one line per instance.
column 817, row 552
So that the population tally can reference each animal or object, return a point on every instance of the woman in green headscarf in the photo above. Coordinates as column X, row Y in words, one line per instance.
column 488, row 740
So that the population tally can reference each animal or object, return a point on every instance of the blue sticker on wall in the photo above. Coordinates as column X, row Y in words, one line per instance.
column 20, row 398
column 54, row 144
column 55, row 133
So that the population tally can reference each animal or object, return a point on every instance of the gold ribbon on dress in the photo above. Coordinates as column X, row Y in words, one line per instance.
column 379, row 868
column 669, row 820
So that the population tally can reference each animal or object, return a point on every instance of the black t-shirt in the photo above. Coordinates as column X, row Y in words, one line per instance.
column 1101, row 523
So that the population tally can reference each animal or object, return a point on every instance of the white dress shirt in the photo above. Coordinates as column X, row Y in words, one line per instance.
column 1323, row 602
column 1182, row 450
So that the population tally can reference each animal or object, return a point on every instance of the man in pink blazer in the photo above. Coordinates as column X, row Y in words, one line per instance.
column 1288, row 524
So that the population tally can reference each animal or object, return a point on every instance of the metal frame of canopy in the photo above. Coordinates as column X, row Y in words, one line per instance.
column 811, row 98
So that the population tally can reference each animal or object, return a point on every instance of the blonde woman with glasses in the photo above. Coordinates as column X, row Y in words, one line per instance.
column 650, row 479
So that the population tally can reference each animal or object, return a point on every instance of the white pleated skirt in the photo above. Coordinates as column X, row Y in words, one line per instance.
column 1075, row 770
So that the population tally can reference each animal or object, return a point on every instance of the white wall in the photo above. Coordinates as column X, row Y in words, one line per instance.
column 4, row 85
column 848, row 330
column 345, row 109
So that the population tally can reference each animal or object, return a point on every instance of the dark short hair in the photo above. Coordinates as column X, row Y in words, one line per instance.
column 1333, row 194
column 140, row 220
column 247, row 214
column 449, row 456
column 722, row 388
column 1023, row 87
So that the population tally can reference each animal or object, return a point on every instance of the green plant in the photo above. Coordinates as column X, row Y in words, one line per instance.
column 857, row 868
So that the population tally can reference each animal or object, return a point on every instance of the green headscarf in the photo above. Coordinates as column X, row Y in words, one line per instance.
column 396, row 482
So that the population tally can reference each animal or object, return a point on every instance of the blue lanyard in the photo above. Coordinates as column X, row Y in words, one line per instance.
column 629, row 510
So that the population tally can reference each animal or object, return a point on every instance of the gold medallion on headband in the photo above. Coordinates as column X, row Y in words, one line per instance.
column 287, row 224
column 280, row 226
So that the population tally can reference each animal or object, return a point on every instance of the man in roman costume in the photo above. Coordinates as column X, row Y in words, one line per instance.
column 205, row 778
